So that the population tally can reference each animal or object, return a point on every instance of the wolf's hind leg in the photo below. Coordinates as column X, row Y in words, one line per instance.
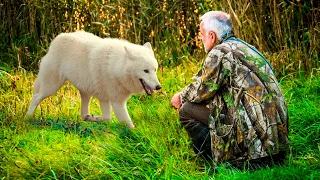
column 43, row 88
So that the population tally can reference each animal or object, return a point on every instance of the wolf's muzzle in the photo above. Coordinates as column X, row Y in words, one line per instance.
column 158, row 87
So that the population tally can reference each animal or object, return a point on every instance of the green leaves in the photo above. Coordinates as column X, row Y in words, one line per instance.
column 258, row 61
column 225, row 72
column 264, row 76
column 213, row 86
column 269, row 96
column 228, row 98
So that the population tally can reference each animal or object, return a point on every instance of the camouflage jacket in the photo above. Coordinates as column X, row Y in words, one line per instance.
column 249, row 117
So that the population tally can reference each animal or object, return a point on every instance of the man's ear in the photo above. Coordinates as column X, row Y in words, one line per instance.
column 213, row 36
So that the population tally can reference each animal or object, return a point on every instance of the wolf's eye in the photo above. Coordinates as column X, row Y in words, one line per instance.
column 146, row 71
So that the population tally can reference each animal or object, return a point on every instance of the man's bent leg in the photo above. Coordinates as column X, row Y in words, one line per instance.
column 194, row 118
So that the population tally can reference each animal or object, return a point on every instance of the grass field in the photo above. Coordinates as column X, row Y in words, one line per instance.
column 59, row 145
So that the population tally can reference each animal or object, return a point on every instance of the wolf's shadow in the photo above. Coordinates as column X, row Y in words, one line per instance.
column 83, row 129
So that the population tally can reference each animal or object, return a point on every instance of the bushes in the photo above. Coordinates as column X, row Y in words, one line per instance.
column 287, row 30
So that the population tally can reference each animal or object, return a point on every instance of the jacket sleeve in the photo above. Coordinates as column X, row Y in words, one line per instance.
column 207, row 81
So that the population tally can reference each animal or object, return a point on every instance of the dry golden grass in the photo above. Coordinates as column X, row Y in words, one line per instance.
column 280, row 28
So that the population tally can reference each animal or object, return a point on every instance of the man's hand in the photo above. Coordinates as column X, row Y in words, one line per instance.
column 176, row 101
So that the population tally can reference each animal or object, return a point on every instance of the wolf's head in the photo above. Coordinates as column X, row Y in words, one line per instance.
column 143, row 67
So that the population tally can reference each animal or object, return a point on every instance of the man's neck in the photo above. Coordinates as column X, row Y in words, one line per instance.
column 225, row 37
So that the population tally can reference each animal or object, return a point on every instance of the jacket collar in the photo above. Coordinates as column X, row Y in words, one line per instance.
column 225, row 37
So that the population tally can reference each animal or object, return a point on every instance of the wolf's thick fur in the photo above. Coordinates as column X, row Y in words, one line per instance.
column 109, row 69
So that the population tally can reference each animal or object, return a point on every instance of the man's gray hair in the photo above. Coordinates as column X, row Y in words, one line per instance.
column 218, row 22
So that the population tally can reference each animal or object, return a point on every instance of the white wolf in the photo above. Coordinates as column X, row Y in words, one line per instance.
column 110, row 69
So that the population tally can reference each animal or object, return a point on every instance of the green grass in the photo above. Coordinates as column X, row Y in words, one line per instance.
column 59, row 145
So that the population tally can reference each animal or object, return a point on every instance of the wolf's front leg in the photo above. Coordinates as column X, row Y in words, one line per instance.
column 120, row 109
column 104, row 105
column 106, row 113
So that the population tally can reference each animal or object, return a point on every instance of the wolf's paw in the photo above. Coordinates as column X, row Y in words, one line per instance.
column 130, row 126
column 92, row 118
column 28, row 117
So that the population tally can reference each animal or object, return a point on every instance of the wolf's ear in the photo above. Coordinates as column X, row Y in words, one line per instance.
column 130, row 53
column 147, row 45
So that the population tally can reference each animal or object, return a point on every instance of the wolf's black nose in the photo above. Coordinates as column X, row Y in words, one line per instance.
column 158, row 87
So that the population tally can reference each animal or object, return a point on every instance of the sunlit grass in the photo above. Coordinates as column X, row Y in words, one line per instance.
column 58, row 144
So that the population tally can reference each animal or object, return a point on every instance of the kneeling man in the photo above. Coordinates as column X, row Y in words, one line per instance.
column 234, row 110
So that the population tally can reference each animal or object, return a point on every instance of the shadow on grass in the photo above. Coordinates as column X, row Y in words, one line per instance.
column 83, row 129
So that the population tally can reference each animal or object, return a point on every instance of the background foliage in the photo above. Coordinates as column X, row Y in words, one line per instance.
column 287, row 31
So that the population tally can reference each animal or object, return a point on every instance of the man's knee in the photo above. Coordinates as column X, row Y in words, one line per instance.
column 194, row 111
column 197, row 131
column 186, row 116
column 184, row 110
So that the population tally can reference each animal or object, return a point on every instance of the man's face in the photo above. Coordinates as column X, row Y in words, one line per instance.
column 208, row 39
